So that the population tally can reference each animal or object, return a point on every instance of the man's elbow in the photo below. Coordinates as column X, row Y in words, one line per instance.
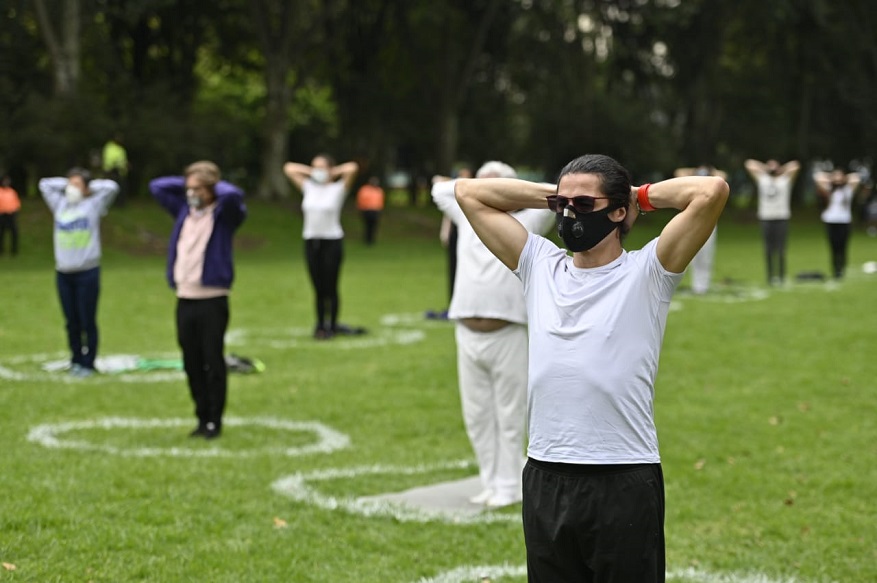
column 717, row 193
column 462, row 191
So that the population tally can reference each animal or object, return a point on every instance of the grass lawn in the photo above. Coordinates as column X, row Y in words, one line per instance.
column 766, row 409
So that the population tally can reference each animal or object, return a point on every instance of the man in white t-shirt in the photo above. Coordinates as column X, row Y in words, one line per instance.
column 593, row 507
column 488, row 309
column 774, row 183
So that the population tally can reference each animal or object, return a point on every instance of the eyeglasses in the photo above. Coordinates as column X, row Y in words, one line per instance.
column 581, row 204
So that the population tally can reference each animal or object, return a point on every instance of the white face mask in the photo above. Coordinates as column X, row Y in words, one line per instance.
column 193, row 200
column 320, row 175
column 73, row 194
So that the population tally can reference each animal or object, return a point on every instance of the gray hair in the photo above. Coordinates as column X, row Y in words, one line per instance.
column 496, row 169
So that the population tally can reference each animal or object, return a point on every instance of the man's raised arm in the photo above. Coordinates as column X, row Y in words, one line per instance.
column 701, row 200
column 486, row 203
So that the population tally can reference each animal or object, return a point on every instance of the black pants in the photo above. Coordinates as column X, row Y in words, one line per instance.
column 452, row 260
column 775, row 234
column 9, row 222
column 324, row 257
column 79, row 292
column 370, row 221
column 594, row 524
column 201, row 326
column 838, row 238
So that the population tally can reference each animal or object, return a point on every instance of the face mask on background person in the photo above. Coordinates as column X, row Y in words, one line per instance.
column 73, row 194
column 320, row 175
column 583, row 232
column 193, row 200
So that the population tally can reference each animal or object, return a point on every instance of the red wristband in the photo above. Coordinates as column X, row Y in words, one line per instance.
column 642, row 198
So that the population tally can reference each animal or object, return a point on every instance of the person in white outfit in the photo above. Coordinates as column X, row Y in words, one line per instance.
column 837, row 190
column 593, row 505
column 701, row 267
column 487, row 306
column 774, row 183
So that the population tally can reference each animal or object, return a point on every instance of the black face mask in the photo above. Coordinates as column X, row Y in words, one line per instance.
column 586, row 230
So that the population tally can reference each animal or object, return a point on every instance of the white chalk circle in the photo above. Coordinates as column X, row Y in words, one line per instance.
column 114, row 368
column 498, row 573
column 54, row 435
column 301, row 488
column 413, row 320
column 286, row 338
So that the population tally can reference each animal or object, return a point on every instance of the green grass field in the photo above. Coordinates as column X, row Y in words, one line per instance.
column 766, row 406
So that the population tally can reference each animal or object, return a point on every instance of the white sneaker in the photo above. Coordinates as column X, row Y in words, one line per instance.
column 502, row 500
column 481, row 498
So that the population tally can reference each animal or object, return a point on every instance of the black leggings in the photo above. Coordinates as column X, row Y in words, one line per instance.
column 838, row 237
column 324, row 258
column 775, row 234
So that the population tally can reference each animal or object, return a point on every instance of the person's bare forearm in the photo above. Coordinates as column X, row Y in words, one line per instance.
column 679, row 193
column 503, row 194
column 295, row 169
column 344, row 170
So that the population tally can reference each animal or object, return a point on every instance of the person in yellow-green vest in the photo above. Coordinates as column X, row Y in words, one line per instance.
column 114, row 161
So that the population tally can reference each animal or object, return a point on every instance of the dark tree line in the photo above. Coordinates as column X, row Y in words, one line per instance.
column 419, row 85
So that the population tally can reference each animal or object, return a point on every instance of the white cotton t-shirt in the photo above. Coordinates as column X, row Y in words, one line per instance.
column 774, row 195
column 595, row 341
column 840, row 206
column 483, row 286
column 321, row 207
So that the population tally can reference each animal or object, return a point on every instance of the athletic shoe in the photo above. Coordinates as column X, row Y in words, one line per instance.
column 502, row 500
column 481, row 498
column 81, row 372
column 212, row 430
column 198, row 431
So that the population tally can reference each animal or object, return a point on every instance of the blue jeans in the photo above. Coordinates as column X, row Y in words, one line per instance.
column 78, row 292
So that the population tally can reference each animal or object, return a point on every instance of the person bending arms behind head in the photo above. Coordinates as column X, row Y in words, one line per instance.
column 491, row 333
column 207, row 212
column 593, row 507
column 324, row 187
column 837, row 190
column 78, row 204
column 774, row 183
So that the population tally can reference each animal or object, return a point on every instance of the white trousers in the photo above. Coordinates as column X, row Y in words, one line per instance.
column 702, row 266
column 492, row 370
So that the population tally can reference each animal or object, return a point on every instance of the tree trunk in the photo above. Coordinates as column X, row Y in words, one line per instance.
column 64, row 51
column 272, row 182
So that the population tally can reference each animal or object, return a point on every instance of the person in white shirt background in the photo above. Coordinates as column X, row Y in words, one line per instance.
column 487, row 306
column 701, row 267
column 324, row 186
column 837, row 190
column 593, row 488
column 774, row 183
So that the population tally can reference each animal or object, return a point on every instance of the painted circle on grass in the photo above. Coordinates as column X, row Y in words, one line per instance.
column 497, row 573
column 54, row 435
column 115, row 368
column 286, row 338
column 413, row 320
column 301, row 487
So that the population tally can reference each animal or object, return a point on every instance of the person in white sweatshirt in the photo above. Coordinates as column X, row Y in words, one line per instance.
column 78, row 204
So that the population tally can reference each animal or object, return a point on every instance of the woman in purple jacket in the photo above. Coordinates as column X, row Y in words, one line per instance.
column 200, row 268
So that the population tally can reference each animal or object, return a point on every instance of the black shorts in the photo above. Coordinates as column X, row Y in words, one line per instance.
column 594, row 523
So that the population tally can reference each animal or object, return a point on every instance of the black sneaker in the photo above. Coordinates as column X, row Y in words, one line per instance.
column 199, row 431
column 212, row 430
